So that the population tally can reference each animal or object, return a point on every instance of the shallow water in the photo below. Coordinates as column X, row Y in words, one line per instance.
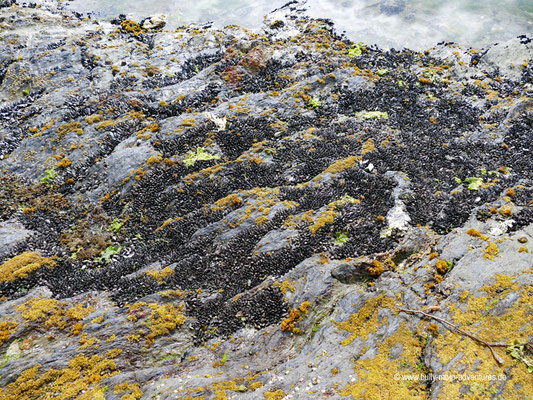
column 391, row 23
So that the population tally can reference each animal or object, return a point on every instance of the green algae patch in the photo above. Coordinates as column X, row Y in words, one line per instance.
column 23, row 265
column 108, row 253
column 199, row 155
column 356, row 50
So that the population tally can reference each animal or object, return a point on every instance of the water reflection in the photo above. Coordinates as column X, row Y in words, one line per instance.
column 394, row 23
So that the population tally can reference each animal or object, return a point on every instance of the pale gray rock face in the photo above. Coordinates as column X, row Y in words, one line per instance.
column 223, row 221
column 12, row 233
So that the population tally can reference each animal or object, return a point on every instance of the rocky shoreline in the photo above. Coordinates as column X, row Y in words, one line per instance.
column 207, row 213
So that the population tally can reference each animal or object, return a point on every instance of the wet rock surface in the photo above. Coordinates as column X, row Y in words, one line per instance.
column 230, row 213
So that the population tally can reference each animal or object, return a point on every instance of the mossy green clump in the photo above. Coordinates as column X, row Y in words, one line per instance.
column 107, row 254
column 116, row 225
column 340, row 238
column 23, row 265
column 50, row 175
column 199, row 155
column 315, row 102
column 356, row 50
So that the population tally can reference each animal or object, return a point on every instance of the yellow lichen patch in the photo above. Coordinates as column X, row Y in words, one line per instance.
column 78, row 381
column 499, row 327
column 342, row 165
column 295, row 315
column 52, row 312
column 261, row 220
column 154, row 160
column 163, row 319
column 441, row 266
column 167, row 223
column 106, row 124
column 378, row 375
column 131, row 27
column 365, row 321
column 256, row 385
column 6, row 329
column 74, row 126
column 506, row 210
column 22, row 265
column 376, row 268
column 64, row 163
column 93, row 119
column 473, row 232
column 285, row 285
column 491, row 251
column 136, row 392
column 78, row 312
column 325, row 218
column 274, row 395
column 368, row 146
column 160, row 275
column 231, row 200
column 189, row 122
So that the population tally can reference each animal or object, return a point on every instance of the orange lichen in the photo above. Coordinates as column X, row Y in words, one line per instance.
column 506, row 210
column 6, row 329
column 52, row 312
column 131, row 27
column 376, row 269
column 256, row 385
column 64, row 163
column 442, row 266
column 473, row 232
column 106, row 124
column 377, row 376
column 295, row 315
column 23, row 265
